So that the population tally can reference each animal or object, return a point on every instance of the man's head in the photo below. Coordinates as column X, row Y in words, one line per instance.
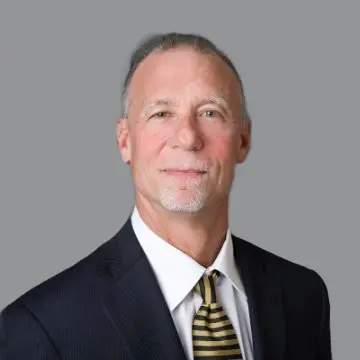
column 184, row 109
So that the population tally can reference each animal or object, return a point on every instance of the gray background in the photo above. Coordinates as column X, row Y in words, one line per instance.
column 64, row 189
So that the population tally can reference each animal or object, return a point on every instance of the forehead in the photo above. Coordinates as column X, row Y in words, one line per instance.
column 183, row 74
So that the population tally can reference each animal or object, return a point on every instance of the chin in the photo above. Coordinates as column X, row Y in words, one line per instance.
column 177, row 207
column 173, row 202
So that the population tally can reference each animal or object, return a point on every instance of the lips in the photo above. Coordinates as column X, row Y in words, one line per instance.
column 185, row 171
column 181, row 174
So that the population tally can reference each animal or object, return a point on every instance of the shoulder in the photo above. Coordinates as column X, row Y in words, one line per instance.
column 53, row 290
column 75, row 284
column 86, row 280
column 289, row 273
column 303, row 290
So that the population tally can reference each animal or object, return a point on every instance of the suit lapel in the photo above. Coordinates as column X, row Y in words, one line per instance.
column 265, row 301
column 135, row 304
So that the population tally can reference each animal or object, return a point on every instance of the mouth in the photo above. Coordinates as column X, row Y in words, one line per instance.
column 184, row 172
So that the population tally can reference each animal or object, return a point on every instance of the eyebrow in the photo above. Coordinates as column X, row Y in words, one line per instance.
column 215, row 100
column 168, row 102
column 148, row 106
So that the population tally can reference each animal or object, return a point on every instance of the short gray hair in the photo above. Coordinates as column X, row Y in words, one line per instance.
column 167, row 41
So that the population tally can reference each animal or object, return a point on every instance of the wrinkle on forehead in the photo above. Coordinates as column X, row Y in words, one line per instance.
column 205, row 78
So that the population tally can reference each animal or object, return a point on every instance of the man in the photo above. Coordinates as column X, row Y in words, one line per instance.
column 174, row 282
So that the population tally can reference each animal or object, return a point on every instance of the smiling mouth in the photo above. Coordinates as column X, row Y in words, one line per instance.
column 185, row 171
column 188, row 173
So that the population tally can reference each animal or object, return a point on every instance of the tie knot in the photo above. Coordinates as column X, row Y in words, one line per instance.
column 206, row 287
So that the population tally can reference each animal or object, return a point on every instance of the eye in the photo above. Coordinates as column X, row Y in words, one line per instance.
column 161, row 114
column 211, row 113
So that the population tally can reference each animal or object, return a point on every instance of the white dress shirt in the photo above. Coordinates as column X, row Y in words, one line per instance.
column 177, row 274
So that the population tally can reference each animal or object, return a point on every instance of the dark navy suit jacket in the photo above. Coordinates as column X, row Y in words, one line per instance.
column 109, row 306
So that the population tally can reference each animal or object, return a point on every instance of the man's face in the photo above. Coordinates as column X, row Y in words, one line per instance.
column 185, row 131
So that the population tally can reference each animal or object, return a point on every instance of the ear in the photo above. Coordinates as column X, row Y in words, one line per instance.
column 244, row 142
column 123, row 139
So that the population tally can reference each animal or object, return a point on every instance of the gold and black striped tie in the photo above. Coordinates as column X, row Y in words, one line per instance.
column 213, row 335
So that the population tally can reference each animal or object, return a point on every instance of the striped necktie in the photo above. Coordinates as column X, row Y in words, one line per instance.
column 213, row 335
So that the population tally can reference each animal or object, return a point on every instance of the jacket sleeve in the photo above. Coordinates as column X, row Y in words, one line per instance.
column 324, row 345
column 23, row 337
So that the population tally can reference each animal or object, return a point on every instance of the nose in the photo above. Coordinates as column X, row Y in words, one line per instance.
column 187, row 134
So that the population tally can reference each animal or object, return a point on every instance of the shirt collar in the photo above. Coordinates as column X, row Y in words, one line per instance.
column 176, row 272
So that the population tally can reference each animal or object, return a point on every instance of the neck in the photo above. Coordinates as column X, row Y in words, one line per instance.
column 199, row 234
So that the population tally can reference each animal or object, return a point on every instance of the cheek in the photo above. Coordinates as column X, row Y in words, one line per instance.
column 148, row 145
column 222, row 148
